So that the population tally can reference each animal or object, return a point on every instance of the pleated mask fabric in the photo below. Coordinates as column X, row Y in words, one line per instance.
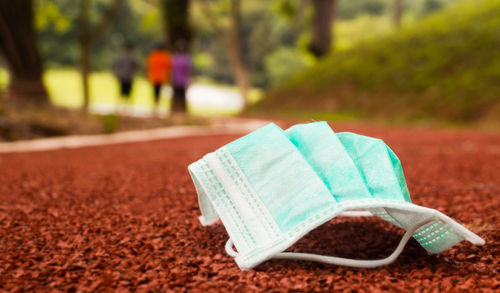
column 271, row 187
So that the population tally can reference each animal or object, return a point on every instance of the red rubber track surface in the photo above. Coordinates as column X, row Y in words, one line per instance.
column 125, row 218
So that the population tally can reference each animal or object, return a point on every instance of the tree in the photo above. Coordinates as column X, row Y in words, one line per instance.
column 87, row 38
column 18, row 45
column 176, row 22
column 324, row 11
column 178, row 35
column 232, row 41
column 398, row 12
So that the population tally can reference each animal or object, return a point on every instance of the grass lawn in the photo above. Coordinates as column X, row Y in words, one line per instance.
column 65, row 89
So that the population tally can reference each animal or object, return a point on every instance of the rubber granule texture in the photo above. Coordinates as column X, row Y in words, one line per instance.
column 125, row 218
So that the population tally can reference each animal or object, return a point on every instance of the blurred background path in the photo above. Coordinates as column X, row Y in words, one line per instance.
column 217, row 126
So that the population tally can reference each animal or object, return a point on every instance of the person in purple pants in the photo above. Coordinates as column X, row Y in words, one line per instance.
column 180, row 77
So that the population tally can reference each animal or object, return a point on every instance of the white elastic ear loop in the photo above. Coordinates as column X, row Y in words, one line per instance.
column 229, row 248
column 339, row 260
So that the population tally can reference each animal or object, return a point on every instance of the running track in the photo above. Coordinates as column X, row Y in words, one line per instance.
column 124, row 218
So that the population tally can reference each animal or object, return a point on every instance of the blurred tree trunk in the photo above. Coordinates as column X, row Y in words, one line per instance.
column 178, row 36
column 236, row 50
column 233, row 43
column 176, row 22
column 398, row 12
column 85, row 47
column 324, row 12
column 87, row 38
column 18, row 45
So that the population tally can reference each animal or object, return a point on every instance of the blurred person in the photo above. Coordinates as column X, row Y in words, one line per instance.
column 124, row 69
column 158, row 66
column 181, row 73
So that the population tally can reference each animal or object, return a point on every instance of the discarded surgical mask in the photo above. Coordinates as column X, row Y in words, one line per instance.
column 271, row 187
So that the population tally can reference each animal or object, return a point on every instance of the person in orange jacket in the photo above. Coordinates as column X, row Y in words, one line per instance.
column 158, row 66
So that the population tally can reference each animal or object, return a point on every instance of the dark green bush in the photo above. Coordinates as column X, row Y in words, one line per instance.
column 447, row 66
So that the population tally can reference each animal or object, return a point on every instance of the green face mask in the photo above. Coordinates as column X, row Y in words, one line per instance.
column 271, row 187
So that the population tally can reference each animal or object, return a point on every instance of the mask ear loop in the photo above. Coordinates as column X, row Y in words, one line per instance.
column 229, row 248
column 339, row 260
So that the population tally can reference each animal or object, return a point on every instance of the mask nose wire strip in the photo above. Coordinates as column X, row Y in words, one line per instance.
column 339, row 260
column 355, row 214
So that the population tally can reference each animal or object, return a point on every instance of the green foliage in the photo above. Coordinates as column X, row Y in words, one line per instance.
column 362, row 28
column 48, row 13
column 57, row 25
column 150, row 20
column 424, row 7
column 446, row 66
column 286, row 8
column 267, row 28
column 4, row 79
column 262, row 33
column 202, row 61
column 351, row 9
column 283, row 63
